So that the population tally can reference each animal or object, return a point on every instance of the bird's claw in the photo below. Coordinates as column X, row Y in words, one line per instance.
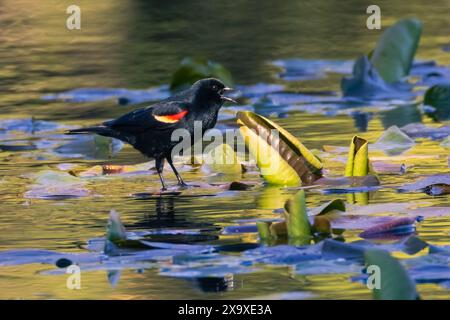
column 184, row 185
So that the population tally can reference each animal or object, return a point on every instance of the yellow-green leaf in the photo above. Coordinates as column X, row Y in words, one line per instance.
column 298, row 225
column 358, row 158
column 282, row 159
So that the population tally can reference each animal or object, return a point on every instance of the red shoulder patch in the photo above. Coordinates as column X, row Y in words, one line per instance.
column 171, row 118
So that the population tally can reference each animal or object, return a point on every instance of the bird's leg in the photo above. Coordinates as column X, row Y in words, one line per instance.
column 181, row 183
column 159, row 162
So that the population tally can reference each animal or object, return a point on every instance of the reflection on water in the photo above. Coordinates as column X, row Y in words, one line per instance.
column 138, row 44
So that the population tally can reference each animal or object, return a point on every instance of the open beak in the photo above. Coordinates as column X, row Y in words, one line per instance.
column 227, row 98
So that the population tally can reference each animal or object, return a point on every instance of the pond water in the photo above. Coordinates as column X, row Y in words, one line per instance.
column 138, row 45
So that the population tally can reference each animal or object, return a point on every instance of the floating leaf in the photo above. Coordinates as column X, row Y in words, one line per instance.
column 309, row 69
column 329, row 207
column 394, row 141
column 123, row 96
column 428, row 183
column 401, row 226
column 358, row 158
column 193, row 69
column 438, row 96
column 395, row 283
column 282, row 159
column 419, row 130
column 54, row 185
column 90, row 146
column 394, row 54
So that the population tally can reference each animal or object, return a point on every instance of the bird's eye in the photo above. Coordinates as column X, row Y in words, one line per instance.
column 215, row 87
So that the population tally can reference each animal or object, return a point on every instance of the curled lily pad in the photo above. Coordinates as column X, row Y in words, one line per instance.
column 282, row 159
column 395, row 283
column 358, row 158
column 394, row 53
column 193, row 69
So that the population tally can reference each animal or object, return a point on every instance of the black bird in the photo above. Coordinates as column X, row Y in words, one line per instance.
column 149, row 129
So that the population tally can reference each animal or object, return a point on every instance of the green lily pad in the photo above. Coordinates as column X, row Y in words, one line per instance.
column 394, row 141
column 395, row 50
column 395, row 283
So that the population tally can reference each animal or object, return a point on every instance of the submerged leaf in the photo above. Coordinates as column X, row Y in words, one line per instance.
column 282, row 159
column 394, row 54
column 358, row 158
column 395, row 283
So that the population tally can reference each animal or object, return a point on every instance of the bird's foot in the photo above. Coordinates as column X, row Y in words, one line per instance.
column 184, row 185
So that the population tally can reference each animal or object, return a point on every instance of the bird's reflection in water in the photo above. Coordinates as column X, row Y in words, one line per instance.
column 180, row 221
column 215, row 284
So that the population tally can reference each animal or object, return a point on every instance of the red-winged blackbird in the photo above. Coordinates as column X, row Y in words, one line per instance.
column 149, row 129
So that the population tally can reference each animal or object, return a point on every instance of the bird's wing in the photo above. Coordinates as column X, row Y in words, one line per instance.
column 160, row 116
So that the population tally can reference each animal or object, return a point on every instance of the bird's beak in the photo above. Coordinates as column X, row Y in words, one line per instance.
column 227, row 98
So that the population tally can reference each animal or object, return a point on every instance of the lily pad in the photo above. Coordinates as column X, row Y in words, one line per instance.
column 394, row 53
column 282, row 159
column 394, row 141
column 123, row 96
column 426, row 182
column 53, row 185
column 403, row 226
column 419, row 130
column 310, row 69
column 395, row 283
